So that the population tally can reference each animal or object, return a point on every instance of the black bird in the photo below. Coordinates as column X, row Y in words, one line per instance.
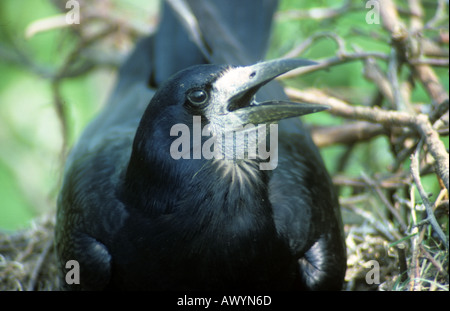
column 139, row 211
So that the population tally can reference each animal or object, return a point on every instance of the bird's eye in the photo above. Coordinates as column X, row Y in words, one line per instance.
column 197, row 97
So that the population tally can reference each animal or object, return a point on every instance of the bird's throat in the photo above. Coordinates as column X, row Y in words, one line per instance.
column 215, row 187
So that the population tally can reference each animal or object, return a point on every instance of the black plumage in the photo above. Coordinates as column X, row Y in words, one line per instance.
column 136, row 218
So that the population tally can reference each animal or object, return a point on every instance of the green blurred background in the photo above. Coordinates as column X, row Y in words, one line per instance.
column 30, row 132
column 31, row 158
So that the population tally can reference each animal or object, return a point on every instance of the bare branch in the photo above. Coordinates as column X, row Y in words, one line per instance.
column 333, row 61
column 317, row 13
column 347, row 134
column 435, row 62
column 301, row 48
column 403, row 42
column 420, row 123
column 424, row 196
column 391, row 182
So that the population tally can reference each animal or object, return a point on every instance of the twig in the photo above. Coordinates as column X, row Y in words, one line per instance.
column 391, row 182
column 432, row 260
column 65, row 71
column 318, row 13
column 402, row 155
column 345, row 157
column 415, row 268
column 435, row 62
column 402, row 41
column 333, row 61
column 346, row 133
column 394, row 67
column 389, row 118
column 372, row 72
column 75, row 54
column 430, row 81
column 379, row 226
column 17, row 55
column 416, row 15
column 385, row 201
column 429, row 209
column 439, row 15
column 301, row 48
column 415, row 241
column 403, row 267
column 60, row 108
column 435, row 146
column 39, row 264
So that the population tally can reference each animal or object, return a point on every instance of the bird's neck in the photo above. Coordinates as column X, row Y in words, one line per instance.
column 232, row 186
column 197, row 187
column 213, row 206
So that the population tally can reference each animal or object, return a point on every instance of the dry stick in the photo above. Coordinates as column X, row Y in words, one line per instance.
column 60, row 108
column 428, row 207
column 439, row 200
column 390, row 183
column 346, row 134
column 39, row 264
column 435, row 146
column 415, row 241
column 425, row 74
column 332, row 61
column 429, row 80
column 439, row 16
column 374, row 73
column 401, row 41
column 74, row 55
column 318, row 13
column 440, row 112
column 386, row 117
column 401, row 103
column 415, row 262
column 302, row 47
column 431, row 83
column 435, row 62
column 66, row 71
column 403, row 267
column 415, row 7
column 433, row 261
column 385, row 201
column 402, row 155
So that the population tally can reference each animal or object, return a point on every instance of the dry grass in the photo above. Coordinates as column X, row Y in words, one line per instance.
column 27, row 258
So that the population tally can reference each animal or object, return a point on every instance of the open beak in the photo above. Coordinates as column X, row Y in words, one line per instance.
column 243, row 105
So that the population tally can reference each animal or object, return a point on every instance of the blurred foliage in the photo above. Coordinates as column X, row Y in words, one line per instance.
column 31, row 139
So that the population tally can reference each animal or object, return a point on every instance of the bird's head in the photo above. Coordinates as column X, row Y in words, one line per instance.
column 225, row 95
column 224, row 98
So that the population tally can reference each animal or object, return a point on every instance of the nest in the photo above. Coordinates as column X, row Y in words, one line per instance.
column 28, row 261
column 27, row 258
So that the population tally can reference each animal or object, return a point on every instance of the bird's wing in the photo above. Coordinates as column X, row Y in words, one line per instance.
column 306, row 209
column 89, row 212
